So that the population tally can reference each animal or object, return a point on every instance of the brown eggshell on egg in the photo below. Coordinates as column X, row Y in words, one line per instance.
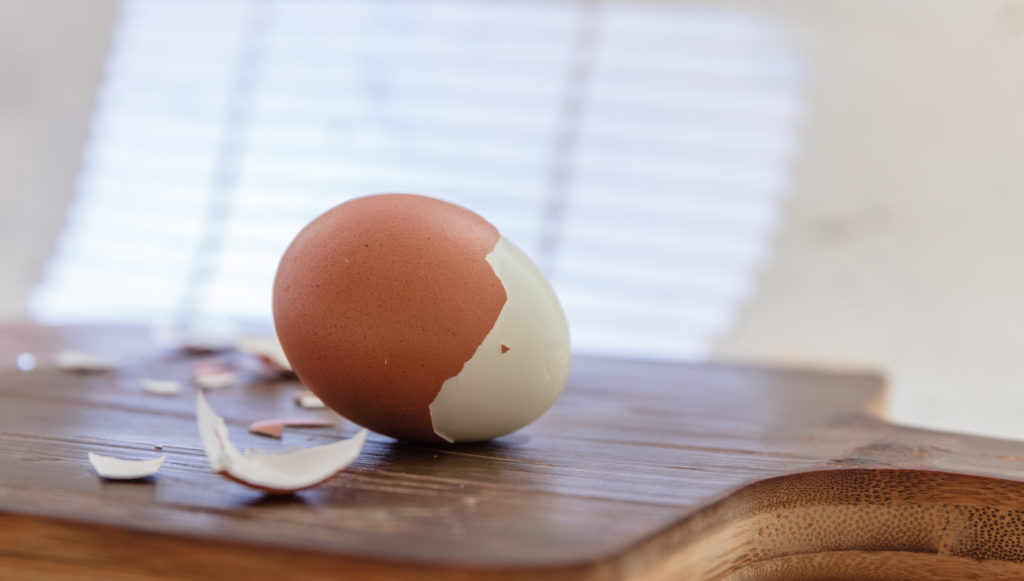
column 380, row 300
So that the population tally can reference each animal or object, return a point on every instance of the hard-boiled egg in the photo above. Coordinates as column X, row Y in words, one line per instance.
column 415, row 318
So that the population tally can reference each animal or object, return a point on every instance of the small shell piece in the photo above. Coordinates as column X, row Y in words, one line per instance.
column 216, row 380
column 213, row 374
column 276, row 472
column 269, row 428
column 120, row 469
column 161, row 386
column 79, row 361
column 267, row 349
column 275, row 427
column 26, row 361
column 308, row 400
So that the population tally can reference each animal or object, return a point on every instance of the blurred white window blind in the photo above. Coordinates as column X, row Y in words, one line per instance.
column 637, row 151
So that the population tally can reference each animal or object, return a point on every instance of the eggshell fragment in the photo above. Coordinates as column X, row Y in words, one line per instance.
column 269, row 428
column 275, row 472
column 213, row 374
column 119, row 469
column 267, row 349
column 274, row 428
column 26, row 361
column 216, row 380
column 165, row 387
column 79, row 361
column 308, row 400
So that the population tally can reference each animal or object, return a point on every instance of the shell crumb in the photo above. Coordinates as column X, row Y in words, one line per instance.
column 270, row 428
column 113, row 468
column 213, row 378
column 166, row 387
column 308, row 400
column 26, row 361
column 82, row 362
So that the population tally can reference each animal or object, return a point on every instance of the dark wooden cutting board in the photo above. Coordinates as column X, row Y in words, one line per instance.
column 641, row 471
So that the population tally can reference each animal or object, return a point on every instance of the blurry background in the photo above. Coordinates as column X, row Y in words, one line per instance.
column 847, row 177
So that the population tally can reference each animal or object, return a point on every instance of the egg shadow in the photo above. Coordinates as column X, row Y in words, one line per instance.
column 498, row 458
column 274, row 500
column 149, row 481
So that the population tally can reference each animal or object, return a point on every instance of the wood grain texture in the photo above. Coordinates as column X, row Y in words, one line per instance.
column 641, row 471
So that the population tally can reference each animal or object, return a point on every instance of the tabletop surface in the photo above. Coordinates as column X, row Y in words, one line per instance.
column 618, row 475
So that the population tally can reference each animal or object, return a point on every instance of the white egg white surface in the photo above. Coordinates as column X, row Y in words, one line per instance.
column 499, row 392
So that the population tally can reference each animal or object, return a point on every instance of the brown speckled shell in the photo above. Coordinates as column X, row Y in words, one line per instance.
column 380, row 300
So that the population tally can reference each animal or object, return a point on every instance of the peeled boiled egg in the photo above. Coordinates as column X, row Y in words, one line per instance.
column 415, row 318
